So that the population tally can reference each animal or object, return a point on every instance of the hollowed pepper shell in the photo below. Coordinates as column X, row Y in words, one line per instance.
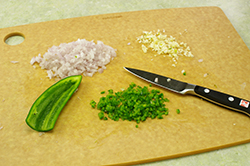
column 46, row 109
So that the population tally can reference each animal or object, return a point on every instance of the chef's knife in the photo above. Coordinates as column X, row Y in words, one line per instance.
column 219, row 98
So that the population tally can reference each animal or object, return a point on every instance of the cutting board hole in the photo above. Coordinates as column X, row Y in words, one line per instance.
column 14, row 38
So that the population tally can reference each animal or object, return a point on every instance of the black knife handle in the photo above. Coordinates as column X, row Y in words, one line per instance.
column 224, row 100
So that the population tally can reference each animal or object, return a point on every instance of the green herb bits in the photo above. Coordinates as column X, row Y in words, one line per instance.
column 135, row 103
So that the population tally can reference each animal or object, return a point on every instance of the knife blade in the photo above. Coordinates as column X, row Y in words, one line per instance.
column 222, row 99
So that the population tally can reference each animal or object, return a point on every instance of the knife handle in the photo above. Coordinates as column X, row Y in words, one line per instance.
column 224, row 100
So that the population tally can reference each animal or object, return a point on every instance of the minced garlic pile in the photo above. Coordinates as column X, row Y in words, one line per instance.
column 164, row 45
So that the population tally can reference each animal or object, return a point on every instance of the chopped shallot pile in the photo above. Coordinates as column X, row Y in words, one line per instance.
column 78, row 57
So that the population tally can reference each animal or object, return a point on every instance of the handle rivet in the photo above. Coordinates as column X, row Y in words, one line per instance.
column 231, row 99
column 206, row 90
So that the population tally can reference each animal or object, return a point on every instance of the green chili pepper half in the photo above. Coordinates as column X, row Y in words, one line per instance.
column 46, row 109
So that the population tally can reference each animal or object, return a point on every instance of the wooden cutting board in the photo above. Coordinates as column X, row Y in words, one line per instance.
column 79, row 137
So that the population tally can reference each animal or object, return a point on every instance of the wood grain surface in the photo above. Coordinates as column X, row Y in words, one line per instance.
column 79, row 137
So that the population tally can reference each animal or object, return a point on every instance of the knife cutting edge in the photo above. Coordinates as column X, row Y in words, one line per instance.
column 219, row 98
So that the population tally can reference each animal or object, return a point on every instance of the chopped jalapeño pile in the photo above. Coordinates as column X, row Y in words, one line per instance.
column 135, row 103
